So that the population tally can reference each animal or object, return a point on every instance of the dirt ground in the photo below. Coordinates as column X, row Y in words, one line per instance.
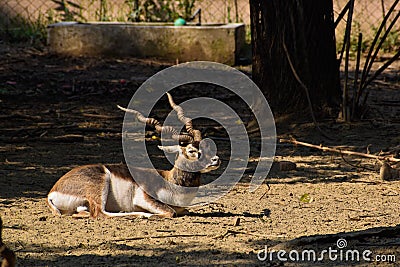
column 57, row 113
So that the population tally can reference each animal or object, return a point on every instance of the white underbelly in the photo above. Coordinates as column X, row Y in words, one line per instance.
column 120, row 196
column 67, row 203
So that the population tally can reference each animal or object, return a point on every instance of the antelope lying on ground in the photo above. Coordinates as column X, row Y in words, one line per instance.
column 6, row 253
column 110, row 190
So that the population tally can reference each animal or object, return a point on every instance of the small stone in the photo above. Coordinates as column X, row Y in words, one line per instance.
column 236, row 221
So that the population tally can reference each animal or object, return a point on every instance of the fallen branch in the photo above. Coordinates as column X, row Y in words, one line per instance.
column 233, row 232
column 159, row 236
column 39, row 127
column 345, row 152
column 18, row 115
column 100, row 116
column 68, row 138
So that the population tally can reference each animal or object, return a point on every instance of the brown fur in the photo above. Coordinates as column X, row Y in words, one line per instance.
column 182, row 178
column 93, row 175
column 90, row 190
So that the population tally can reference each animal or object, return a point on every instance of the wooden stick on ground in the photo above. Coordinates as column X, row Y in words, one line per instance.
column 340, row 151
column 234, row 232
column 159, row 236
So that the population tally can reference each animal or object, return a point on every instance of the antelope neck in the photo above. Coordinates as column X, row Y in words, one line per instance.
column 185, row 178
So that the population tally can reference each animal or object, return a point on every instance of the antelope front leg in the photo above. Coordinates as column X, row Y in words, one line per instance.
column 155, row 207
column 181, row 211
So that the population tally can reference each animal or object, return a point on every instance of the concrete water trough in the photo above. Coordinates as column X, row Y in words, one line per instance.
column 210, row 42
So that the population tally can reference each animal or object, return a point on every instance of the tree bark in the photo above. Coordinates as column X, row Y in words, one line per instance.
column 299, row 33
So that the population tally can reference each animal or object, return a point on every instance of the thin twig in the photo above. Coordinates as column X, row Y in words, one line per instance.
column 39, row 127
column 378, row 72
column 346, row 152
column 266, row 191
column 306, row 91
column 356, row 210
column 234, row 232
column 68, row 138
column 342, row 13
column 18, row 115
column 370, row 59
column 347, row 30
column 158, row 237
column 100, row 116
column 356, row 166
column 353, row 110
column 383, row 11
column 345, row 103
column 381, row 42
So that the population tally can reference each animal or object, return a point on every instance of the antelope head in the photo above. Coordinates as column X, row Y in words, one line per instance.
column 193, row 154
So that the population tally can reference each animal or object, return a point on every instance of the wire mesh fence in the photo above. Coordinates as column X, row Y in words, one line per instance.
column 29, row 17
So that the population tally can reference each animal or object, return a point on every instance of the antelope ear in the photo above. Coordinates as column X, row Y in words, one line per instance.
column 170, row 149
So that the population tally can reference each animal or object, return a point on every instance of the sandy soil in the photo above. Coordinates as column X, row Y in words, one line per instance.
column 43, row 97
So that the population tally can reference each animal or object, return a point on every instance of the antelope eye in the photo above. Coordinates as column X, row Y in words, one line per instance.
column 192, row 151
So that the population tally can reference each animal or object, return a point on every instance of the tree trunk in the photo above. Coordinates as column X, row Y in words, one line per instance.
column 301, row 32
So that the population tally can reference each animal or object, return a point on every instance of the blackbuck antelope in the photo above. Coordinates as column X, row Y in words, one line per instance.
column 110, row 190
column 6, row 253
